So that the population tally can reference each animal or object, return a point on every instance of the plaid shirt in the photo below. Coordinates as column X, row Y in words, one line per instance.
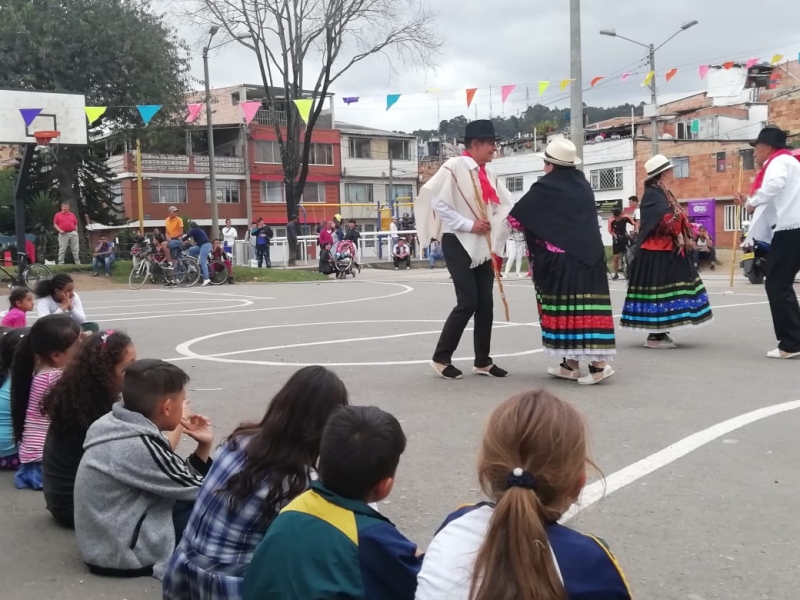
column 218, row 544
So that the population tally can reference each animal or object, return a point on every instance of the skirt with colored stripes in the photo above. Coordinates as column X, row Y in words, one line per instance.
column 574, row 307
column 665, row 293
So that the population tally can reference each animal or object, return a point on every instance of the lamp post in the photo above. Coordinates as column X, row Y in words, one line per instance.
column 651, row 49
column 575, row 73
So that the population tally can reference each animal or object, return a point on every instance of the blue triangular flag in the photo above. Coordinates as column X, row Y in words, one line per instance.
column 148, row 111
column 350, row 99
column 391, row 99
column 29, row 114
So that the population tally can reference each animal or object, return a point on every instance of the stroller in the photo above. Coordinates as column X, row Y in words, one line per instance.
column 344, row 259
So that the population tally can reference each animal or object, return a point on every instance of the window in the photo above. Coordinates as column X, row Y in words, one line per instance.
column 731, row 222
column 116, row 192
column 680, row 167
column 360, row 148
column 514, row 184
column 748, row 159
column 279, row 232
column 268, row 152
column 167, row 191
column 401, row 192
column 721, row 162
column 227, row 191
column 606, row 179
column 367, row 242
column 320, row 154
column 313, row 192
column 357, row 193
column 398, row 150
column 706, row 128
column 272, row 192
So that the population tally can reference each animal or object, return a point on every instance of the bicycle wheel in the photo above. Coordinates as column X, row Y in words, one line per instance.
column 33, row 274
column 217, row 271
column 139, row 275
column 189, row 272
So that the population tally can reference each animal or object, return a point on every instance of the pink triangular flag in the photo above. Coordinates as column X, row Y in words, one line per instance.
column 194, row 111
column 250, row 109
column 751, row 62
column 625, row 76
column 704, row 71
column 505, row 92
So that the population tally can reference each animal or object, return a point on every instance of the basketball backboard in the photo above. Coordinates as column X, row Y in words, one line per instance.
column 58, row 111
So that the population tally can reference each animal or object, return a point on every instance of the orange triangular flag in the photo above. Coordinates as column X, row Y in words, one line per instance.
column 671, row 73
column 470, row 95
column 596, row 80
column 729, row 65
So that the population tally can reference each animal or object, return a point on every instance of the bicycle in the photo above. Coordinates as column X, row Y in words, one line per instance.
column 217, row 270
column 29, row 274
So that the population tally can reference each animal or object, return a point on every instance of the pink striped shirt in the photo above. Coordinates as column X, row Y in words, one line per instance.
column 35, row 430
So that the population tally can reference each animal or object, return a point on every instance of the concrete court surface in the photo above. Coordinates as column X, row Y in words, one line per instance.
column 696, row 506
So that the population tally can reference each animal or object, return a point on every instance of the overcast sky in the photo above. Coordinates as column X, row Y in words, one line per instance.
column 522, row 42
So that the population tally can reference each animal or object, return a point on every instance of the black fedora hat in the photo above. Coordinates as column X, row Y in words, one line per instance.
column 771, row 136
column 482, row 129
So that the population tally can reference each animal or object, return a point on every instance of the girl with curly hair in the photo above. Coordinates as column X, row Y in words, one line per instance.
column 87, row 389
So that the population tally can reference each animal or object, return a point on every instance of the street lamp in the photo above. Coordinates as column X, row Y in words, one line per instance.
column 212, row 174
column 653, row 88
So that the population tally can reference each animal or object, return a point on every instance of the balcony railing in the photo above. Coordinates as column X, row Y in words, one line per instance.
column 231, row 165
column 175, row 163
column 268, row 117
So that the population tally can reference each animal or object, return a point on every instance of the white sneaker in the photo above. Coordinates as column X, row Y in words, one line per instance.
column 206, row 282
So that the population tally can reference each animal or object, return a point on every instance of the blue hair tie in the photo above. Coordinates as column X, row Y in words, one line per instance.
column 520, row 478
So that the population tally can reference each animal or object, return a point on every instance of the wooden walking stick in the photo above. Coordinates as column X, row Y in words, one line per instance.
column 483, row 215
column 738, row 217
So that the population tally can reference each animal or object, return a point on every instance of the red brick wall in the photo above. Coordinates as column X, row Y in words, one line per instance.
column 196, row 206
column 784, row 112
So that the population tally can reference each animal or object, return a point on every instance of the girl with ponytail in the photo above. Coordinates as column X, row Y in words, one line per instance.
column 532, row 466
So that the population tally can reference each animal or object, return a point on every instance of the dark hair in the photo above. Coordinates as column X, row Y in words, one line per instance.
column 285, row 444
column 148, row 381
column 48, row 287
column 633, row 199
column 293, row 217
column 8, row 345
column 653, row 180
column 50, row 334
column 616, row 212
column 86, row 390
column 558, row 167
column 159, row 238
column 353, row 221
column 361, row 446
column 17, row 295
column 103, row 235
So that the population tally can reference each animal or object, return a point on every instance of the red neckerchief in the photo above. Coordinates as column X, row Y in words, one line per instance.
column 488, row 192
column 760, row 176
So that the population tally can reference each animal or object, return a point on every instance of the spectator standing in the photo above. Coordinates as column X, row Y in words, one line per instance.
column 352, row 235
column 704, row 248
column 250, row 239
column 401, row 254
column 263, row 234
column 618, row 228
column 103, row 256
column 200, row 250
column 291, row 237
column 173, row 225
column 228, row 236
column 435, row 251
column 515, row 249
column 325, row 238
column 66, row 223
column 338, row 234
column 634, row 212
column 393, row 228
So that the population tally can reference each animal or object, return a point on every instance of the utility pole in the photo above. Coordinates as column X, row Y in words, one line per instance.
column 654, row 100
column 576, row 74
column 212, row 175
column 393, row 204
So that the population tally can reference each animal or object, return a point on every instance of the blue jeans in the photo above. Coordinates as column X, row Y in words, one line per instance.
column 433, row 257
column 175, row 248
column 202, row 252
column 103, row 261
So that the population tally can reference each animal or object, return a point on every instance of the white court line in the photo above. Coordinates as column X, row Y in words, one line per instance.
column 160, row 302
column 594, row 492
column 178, row 313
column 234, row 295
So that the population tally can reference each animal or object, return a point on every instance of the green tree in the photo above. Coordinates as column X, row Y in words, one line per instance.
column 118, row 53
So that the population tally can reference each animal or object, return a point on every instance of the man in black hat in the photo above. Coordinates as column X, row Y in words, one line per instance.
column 466, row 206
column 776, row 194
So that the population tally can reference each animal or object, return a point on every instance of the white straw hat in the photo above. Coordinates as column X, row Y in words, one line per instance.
column 656, row 165
column 562, row 152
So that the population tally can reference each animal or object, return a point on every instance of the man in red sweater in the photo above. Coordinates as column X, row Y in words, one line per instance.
column 66, row 223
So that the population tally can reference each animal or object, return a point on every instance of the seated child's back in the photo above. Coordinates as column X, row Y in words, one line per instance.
column 328, row 543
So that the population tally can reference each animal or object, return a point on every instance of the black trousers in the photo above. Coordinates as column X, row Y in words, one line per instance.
column 782, row 267
column 262, row 253
column 402, row 262
column 473, row 297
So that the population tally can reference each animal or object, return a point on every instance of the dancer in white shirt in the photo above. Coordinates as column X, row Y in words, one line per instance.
column 777, row 186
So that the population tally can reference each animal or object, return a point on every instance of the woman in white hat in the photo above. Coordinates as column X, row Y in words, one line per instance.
column 559, row 217
column 665, row 292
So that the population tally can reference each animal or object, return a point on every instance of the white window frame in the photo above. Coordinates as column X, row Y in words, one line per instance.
column 115, row 190
column 515, row 184
column 228, row 191
column 680, row 167
column 320, row 195
column 404, row 186
column 260, row 149
column 729, row 218
column 159, row 185
column 351, row 186
column 353, row 141
column 601, row 179
column 265, row 196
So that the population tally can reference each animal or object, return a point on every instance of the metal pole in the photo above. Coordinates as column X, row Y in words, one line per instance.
column 576, row 74
column 392, row 203
column 140, row 193
column 212, row 175
column 20, row 194
column 654, row 100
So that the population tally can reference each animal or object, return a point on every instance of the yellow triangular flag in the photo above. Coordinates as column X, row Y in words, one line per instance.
column 776, row 59
column 304, row 107
column 94, row 112
column 565, row 83
column 649, row 77
column 543, row 85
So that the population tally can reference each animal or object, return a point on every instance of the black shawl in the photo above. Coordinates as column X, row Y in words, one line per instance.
column 653, row 207
column 560, row 209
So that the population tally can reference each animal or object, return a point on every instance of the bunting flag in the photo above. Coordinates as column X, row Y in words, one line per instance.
column 776, row 59
column 671, row 73
column 350, row 100
column 471, row 95
column 751, row 62
column 625, row 76
column 704, row 71
column 29, row 114
column 596, row 80
column 147, row 111
column 565, row 84
column 304, row 108
column 729, row 65
column 505, row 92
column 94, row 112
column 194, row 111
column 649, row 78
column 391, row 100
column 543, row 85
column 695, row 126
column 249, row 110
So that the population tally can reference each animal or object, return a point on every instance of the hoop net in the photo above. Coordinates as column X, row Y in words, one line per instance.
column 43, row 139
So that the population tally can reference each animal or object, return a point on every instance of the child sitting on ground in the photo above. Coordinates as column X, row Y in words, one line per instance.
column 38, row 362
column 21, row 301
column 133, row 494
column 326, row 260
column 532, row 466
column 328, row 543
column 9, row 458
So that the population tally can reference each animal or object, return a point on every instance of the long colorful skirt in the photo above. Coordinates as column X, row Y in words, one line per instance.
column 665, row 293
column 574, row 307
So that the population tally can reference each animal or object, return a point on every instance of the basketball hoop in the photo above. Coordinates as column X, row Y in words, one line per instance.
column 43, row 138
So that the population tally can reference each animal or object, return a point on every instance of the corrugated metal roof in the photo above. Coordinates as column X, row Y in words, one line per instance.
column 350, row 129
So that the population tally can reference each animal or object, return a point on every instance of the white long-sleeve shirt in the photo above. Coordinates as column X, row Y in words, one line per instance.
column 47, row 306
column 452, row 221
column 781, row 188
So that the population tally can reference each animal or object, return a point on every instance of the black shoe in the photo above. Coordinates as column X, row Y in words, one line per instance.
column 615, row 277
column 447, row 371
column 490, row 371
